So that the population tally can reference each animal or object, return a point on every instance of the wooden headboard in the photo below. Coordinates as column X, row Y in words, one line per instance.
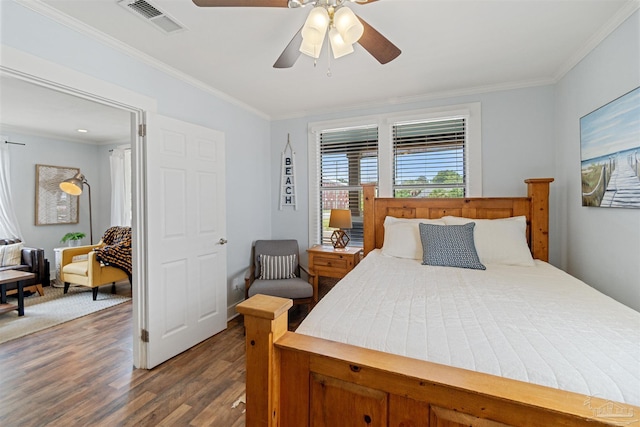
column 535, row 207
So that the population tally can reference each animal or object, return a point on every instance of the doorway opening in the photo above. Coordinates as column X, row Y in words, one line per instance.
column 97, row 96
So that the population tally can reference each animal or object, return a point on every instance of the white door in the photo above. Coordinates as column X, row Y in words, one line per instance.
column 186, row 252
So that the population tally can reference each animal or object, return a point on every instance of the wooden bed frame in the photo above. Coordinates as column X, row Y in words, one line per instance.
column 297, row 380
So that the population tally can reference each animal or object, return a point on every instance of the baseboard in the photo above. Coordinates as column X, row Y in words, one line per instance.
column 231, row 311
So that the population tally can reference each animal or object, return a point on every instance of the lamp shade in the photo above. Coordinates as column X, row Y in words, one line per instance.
column 73, row 185
column 340, row 218
column 338, row 46
column 311, row 49
column 315, row 27
column 348, row 25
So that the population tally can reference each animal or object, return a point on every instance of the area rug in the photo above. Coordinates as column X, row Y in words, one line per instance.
column 54, row 308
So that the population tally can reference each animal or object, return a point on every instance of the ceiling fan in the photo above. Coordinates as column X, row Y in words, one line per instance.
column 343, row 26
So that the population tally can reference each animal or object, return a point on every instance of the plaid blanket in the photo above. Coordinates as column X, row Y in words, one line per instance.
column 116, row 251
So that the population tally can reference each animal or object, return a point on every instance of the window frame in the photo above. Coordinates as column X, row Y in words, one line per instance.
column 429, row 143
column 385, row 122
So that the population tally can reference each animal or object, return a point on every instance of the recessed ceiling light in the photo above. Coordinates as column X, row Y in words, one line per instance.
column 83, row 130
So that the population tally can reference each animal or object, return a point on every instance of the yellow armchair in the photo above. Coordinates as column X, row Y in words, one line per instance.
column 87, row 271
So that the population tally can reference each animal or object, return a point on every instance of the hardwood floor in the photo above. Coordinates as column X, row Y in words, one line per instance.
column 81, row 373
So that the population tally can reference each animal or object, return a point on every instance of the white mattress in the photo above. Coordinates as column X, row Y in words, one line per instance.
column 534, row 324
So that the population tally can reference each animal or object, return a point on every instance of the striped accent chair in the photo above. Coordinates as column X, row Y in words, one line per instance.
column 276, row 271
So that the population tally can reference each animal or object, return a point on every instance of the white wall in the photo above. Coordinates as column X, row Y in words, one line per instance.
column 246, row 133
column 517, row 143
column 531, row 132
column 47, row 151
column 599, row 245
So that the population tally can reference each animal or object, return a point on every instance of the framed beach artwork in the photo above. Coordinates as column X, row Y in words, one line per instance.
column 610, row 153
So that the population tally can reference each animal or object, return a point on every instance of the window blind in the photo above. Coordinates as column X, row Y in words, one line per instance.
column 429, row 158
column 348, row 159
column 423, row 153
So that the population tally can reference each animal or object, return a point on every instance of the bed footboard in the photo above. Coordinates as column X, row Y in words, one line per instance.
column 296, row 380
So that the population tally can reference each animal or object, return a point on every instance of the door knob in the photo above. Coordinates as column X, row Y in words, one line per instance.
column 222, row 241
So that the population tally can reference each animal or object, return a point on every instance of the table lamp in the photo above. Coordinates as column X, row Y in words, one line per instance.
column 340, row 219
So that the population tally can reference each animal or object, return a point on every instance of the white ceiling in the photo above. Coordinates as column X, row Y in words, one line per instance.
column 35, row 110
column 449, row 47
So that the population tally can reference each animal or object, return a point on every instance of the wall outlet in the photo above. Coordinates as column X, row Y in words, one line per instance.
column 237, row 284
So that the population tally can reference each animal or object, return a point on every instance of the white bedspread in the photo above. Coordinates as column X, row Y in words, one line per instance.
column 534, row 324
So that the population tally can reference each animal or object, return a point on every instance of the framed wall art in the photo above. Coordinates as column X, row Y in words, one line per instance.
column 54, row 206
column 610, row 153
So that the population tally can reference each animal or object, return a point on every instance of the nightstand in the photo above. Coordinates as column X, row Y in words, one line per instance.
column 329, row 262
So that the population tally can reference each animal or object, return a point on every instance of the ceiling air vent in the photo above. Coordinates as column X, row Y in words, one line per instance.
column 150, row 13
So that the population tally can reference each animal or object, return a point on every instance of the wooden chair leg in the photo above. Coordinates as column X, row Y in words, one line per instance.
column 66, row 287
column 95, row 293
column 40, row 290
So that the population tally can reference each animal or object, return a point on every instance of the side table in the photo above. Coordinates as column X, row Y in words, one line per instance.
column 13, row 276
column 330, row 262
column 57, row 283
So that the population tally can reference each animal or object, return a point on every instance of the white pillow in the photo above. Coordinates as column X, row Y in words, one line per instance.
column 402, row 236
column 11, row 254
column 499, row 241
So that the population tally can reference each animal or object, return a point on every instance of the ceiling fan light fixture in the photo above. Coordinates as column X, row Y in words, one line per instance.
column 311, row 49
column 338, row 45
column 348, row 25
column 293, row 4
column 324, row 15
column 315, row 27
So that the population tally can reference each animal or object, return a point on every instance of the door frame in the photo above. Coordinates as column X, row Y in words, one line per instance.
column 36, row 70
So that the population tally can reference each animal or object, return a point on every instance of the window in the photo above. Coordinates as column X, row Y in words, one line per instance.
column 348, row 159
column 120, row 163
column 428, row 158
column 427, row 153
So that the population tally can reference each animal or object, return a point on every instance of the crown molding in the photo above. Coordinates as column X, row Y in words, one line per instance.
column 79, row 26
column 406, row 100
column 622, row 15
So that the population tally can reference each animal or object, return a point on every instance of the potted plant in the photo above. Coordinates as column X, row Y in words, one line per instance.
column 73, row 238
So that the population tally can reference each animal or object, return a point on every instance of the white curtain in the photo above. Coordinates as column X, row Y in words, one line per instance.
column 9, row 226
column 120, row 161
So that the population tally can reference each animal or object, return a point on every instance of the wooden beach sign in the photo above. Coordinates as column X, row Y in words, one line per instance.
column 287, row 177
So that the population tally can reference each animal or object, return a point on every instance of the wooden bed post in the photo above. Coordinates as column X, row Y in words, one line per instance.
column 265, row 321
column 369, row 193
column 538, row 192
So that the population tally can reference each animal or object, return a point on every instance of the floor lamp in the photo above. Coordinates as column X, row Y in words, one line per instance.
column 73, row 186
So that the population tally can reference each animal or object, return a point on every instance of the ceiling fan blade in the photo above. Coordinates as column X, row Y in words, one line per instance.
column 378, row 45
column 241, row 3
column 291, row 53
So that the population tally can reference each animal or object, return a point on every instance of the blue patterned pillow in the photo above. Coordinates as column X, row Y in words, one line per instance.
column 449, row 246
